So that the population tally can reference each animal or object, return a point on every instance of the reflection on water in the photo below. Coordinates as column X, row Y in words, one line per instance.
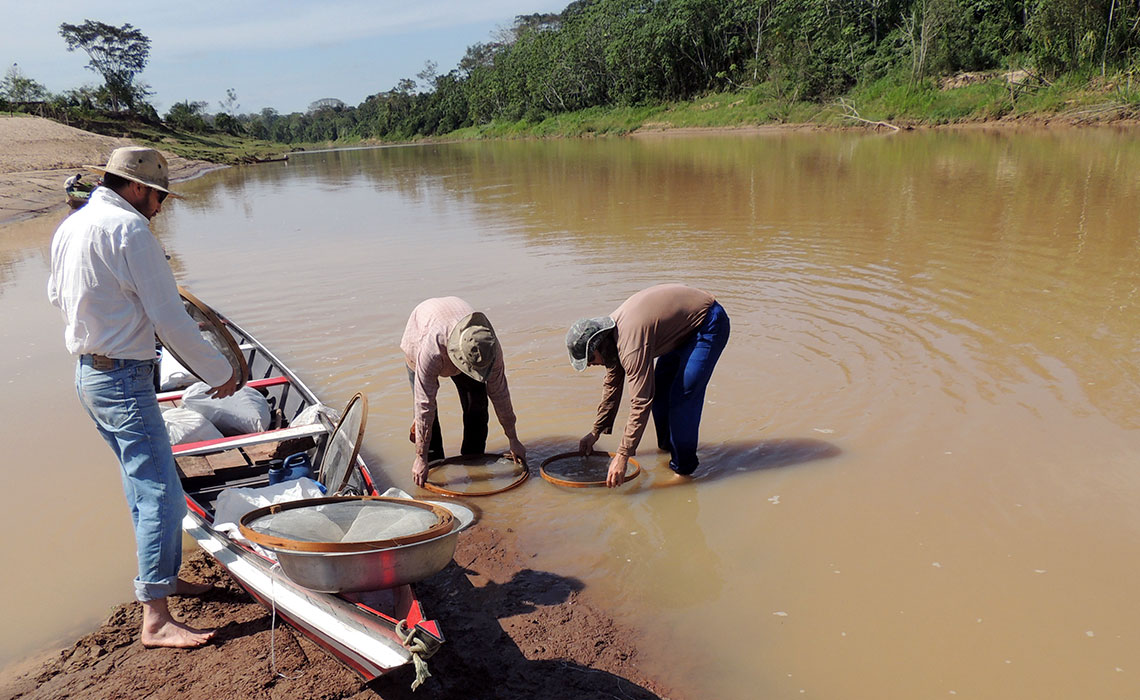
column 919, row 443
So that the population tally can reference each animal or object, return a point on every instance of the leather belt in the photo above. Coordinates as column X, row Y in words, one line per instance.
column 102, row 362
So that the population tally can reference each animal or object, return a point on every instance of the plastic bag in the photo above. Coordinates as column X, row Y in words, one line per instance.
column 184, row 425
column 233, row 503
column 171, row 374
column 247, row 411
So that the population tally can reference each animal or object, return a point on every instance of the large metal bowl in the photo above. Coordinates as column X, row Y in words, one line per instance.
column 349, row 572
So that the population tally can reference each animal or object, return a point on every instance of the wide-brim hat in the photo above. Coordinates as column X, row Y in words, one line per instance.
column 472, row 346
column 145, row 166
column 582, row 336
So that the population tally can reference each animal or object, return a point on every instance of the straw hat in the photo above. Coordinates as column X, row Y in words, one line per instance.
column 472, row 346
column 145, row 166
column 582, row 336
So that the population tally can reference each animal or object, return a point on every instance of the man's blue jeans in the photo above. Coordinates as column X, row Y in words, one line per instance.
column 680, row 379
column 123, row 405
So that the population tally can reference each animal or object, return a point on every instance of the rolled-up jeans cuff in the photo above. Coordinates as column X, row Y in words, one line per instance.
column 145, row 591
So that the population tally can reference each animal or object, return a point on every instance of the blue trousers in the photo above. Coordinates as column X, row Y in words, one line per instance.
column 123, row 405
column 680, row 378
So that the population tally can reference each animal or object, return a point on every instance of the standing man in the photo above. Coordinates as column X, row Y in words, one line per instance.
column 111, row 281
column 685, row 330
column 445, row 337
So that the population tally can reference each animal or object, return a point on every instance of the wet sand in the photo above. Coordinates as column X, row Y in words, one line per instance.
column 511, row 631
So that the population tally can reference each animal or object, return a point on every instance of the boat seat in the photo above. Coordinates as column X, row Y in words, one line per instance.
column 227, row 443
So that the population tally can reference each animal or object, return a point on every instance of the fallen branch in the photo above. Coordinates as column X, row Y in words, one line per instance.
column 853, row 114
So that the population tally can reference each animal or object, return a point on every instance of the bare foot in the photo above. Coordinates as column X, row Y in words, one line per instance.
column 187, row 588
column 672, row 480
column 160, row 629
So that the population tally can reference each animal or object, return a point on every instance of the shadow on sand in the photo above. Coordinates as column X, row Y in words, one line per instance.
column 493, row 628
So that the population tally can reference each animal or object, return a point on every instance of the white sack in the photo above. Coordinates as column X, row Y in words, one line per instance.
column 311, row 415
column 171, row 374
column 246, row 411
column 184, row 425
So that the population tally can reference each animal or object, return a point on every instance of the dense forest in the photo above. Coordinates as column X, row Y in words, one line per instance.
column 630, row 52
column 612, row 53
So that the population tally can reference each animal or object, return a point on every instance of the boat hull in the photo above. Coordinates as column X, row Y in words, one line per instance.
column 372, row 632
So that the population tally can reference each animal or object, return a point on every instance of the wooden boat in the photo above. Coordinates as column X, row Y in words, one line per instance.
column 78, row 191
column 372, row 632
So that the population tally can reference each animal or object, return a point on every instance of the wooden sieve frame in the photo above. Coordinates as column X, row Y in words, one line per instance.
column 219, row 328
column 436, row 488
column 583, row 484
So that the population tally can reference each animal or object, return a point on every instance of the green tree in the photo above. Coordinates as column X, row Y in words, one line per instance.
column 117, row 53
column 1070, row 34
column 17, row 88
column 230, row 104
column 188, row 116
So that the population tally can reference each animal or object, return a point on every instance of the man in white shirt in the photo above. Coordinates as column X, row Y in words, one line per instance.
column 111, row 281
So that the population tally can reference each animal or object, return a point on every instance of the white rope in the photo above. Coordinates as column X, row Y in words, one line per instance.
column 418, row 650
column 273, row 628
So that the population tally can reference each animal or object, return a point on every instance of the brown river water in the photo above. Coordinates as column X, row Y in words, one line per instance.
column 921, row 449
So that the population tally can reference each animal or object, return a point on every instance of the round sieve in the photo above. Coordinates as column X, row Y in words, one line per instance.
column 475, row 475
column 344, row 445
column 345, row 524
column 578, row 471
column 214, row 331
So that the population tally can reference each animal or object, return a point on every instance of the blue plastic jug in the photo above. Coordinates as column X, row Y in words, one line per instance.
column 292, row 467
column 297, row 466
column 276, row 471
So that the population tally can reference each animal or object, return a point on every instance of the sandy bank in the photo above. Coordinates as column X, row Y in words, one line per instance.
column 37, row 155
column 512, row 632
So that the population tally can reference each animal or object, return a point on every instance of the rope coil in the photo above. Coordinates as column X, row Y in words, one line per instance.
column 420, row 652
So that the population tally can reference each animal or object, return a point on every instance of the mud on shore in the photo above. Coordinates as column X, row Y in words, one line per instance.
column 511, row 632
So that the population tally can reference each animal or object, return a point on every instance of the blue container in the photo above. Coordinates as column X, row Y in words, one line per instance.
column 297, row 466
column 276, row 471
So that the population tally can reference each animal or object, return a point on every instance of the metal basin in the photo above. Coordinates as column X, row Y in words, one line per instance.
column 349, row 572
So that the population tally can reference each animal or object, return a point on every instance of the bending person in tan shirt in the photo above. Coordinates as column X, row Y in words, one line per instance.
column 445, row 337
column 684, row 330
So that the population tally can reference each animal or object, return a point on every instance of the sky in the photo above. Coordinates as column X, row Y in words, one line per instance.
column 283, row 54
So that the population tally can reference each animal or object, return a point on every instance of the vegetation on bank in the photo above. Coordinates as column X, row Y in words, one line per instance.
column 613, row 66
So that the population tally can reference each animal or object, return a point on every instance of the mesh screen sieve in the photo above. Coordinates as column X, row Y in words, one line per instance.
column 346, row 521
column 474, row 475
column 336, row 465
column 214, row 333
column 573, row 469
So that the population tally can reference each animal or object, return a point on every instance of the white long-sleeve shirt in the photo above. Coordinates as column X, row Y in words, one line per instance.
column 110, row 279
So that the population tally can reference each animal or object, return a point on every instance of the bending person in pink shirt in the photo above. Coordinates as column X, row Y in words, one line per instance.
column 684, row 330
column 445, row 337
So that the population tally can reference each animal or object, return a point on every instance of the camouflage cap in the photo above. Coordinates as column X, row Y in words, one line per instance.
column 581, row 337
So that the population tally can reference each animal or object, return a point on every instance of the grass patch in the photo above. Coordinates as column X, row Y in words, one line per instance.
column 894, row 99
column 212, row 147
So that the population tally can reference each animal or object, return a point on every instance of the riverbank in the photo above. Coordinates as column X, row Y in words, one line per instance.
column 511, row 632
column 37, row 155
